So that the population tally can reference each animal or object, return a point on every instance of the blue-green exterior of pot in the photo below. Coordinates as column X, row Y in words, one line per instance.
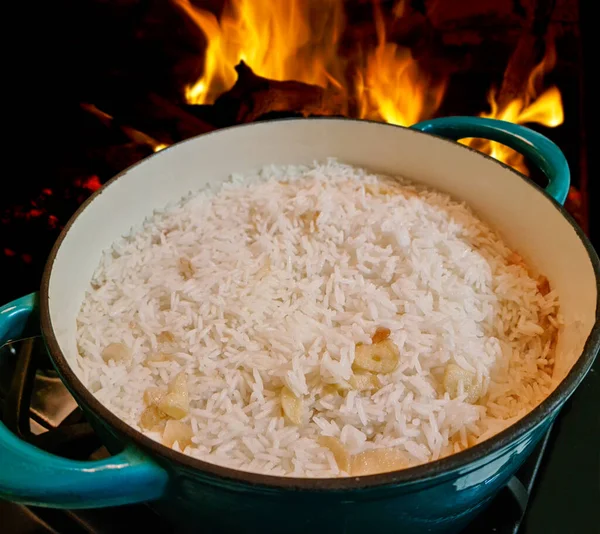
column 443, row 503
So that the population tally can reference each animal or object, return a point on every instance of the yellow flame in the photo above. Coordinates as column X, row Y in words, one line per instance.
column 529, row 107
column 280, row 40
column 394, row 86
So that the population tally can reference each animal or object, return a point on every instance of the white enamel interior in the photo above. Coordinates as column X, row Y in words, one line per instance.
column 527, row 220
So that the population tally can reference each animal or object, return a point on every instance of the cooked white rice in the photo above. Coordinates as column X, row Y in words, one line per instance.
column 274, row 279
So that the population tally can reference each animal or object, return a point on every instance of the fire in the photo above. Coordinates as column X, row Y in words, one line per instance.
column 529, row 106
column 394, row 87
column 298, row 40
column 282, row 40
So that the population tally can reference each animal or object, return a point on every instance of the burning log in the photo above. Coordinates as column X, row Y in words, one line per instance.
column 159, row 119
column 530, row 48
column 184, row 124
column 138, row 138
column 253, row 96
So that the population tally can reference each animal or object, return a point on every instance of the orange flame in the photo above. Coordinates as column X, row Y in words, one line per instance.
column 528, row 107
column 281, row 40
column 394, row 86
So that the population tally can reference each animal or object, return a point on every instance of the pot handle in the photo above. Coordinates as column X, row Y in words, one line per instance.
column 32, row 476
column 534, row 146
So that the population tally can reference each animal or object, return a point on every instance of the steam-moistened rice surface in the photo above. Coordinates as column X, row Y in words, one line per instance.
column 317, row 322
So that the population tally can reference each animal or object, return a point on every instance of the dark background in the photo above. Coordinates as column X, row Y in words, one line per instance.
column 43, row 132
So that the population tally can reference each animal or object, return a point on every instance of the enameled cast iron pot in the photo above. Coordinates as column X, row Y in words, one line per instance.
column 440, row 496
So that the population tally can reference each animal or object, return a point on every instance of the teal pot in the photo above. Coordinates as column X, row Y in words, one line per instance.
column 440, row 496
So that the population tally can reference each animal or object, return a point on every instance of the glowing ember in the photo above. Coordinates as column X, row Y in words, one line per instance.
column 35, row 212
column 91, row 183
column 48, row 209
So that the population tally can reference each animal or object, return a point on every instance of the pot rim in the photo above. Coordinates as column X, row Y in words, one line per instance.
column 419, row 473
